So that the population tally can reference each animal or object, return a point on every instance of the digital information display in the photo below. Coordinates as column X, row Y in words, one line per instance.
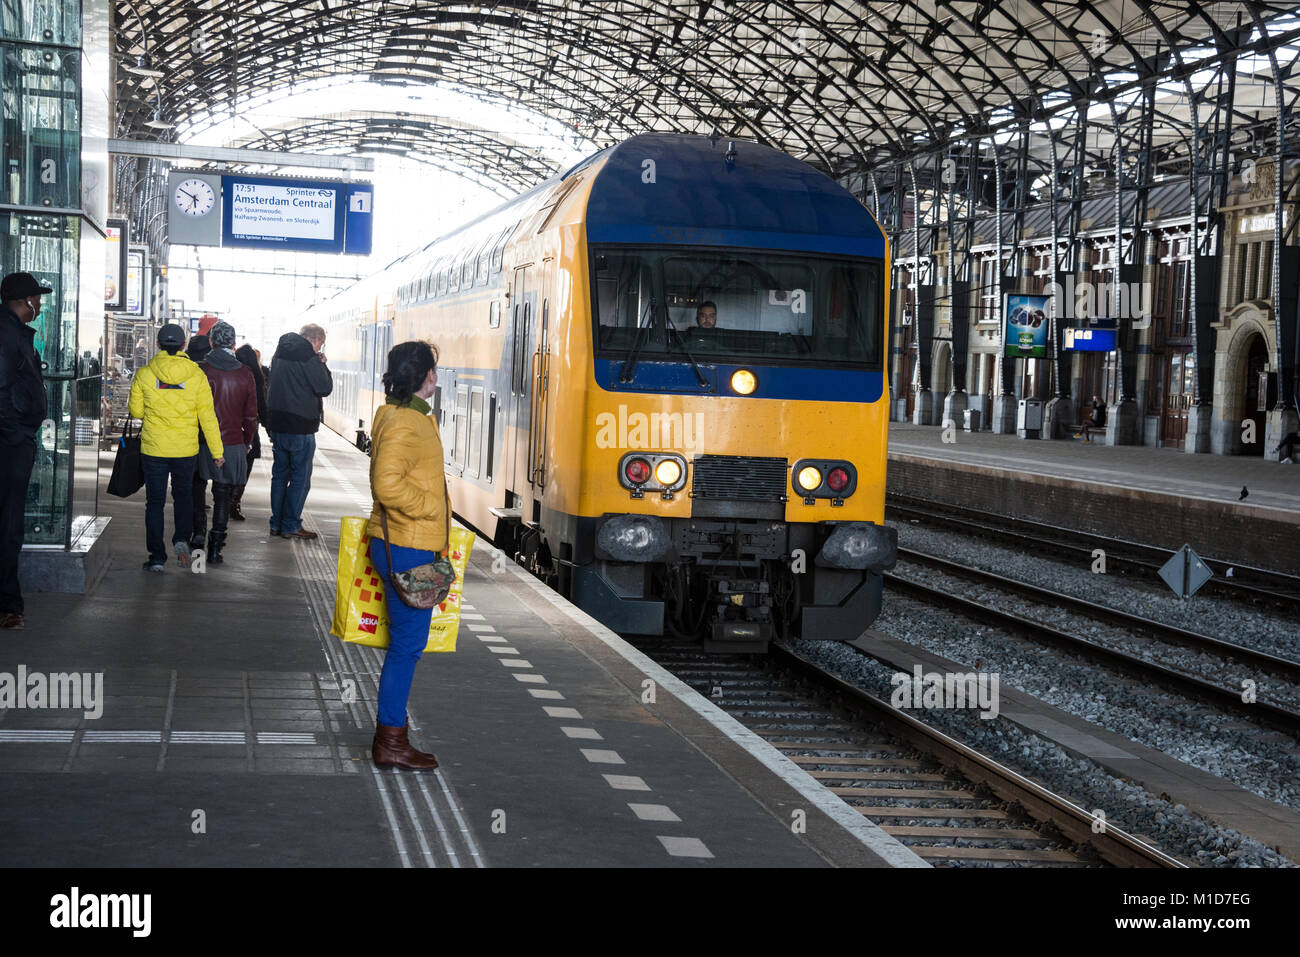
column 135, row 280
column 303, row 215
column 1091, row 340
column 115, row 271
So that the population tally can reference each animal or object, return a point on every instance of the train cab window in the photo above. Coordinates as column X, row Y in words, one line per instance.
column 494, row 314
column 783, row 307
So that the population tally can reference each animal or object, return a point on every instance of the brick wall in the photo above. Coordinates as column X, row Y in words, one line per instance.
column 1244, row 534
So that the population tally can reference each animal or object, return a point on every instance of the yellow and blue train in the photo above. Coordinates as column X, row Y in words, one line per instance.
column 667, row 470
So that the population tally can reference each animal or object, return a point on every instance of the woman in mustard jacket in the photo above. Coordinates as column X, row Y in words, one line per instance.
column 406, row 483
column 171, row 395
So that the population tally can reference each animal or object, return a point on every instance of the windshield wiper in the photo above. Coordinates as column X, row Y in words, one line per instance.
column 673, row 336
column 643, row 333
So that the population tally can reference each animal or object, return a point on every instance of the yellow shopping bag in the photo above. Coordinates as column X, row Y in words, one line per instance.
column 360, row 615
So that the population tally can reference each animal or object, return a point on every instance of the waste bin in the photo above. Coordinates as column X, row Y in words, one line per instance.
column 973, row 419
column 1029, row 419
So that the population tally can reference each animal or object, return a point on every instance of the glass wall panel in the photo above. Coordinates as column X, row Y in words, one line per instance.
column 41, row 21
column 42, row 125
column 87, row 395
column 46, row 516
column 47, row 247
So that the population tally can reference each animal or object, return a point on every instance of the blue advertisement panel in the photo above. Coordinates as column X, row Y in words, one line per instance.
column 1091, row 340
column 1025, row 328
column 283, row 214
column 360, row 219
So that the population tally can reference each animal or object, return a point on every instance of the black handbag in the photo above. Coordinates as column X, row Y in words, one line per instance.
column 425, row 586
column 128, row 465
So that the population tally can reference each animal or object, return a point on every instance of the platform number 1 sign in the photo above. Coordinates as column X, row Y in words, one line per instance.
column 359, row 203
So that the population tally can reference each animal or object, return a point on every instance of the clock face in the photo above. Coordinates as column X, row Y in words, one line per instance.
column 195, row 197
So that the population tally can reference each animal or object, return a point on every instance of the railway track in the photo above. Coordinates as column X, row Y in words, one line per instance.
column 1229, row 698
column 1250, row 584
column 949, row 804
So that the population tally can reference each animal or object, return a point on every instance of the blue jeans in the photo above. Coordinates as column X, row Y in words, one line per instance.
column 290, row 479
column 408, row 630
column 157, row 471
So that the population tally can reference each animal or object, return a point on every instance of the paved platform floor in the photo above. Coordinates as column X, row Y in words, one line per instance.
column 1207, row 477
column 235, row 731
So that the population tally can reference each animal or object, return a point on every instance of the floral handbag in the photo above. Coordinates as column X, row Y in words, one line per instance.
column 425, row 586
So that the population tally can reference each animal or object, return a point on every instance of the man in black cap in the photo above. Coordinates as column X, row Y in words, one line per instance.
column 22, row 410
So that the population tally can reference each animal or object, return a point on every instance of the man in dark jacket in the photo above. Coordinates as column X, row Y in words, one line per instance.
column 197, row 349
column 22, row 410
column 234, row 395
column 299, row 381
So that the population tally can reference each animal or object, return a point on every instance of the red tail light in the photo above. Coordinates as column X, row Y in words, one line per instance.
column 838, row 480
column 637, row 471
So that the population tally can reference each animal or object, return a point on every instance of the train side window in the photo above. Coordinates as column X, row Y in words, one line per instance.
column 467, row 270
column 525, row 367
column 491, row 435
column 442, row 280
column 437, row 405
column 475, row 430
column 517, row 328
column 462, row 423
column 494, row 314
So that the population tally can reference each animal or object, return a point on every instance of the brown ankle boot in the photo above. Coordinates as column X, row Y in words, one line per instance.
column 392, row 748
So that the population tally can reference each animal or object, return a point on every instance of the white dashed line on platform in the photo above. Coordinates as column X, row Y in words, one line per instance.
column 545, row 693
column 562, row 712
column 474, row 627
column 589, row 734
column 625, row 782
column 596, row 756
column 490, row 638
column 654, row 812
column 502, row 650
column 471, row 617
column 531, row 679
column 684, row 846
column 515, row 662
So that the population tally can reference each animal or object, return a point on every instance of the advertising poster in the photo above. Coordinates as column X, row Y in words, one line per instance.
column 115, row 266
column 1025, row 332
column 135, row 264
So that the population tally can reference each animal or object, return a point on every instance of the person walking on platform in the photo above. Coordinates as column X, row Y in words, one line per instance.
column 197, row 349
column 172, row 397
column 22, row 411
column 234, row 395
column 410, row 519
column 300, row 380
column 247, row 355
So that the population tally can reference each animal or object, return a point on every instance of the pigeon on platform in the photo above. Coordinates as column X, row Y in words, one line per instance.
column 1244, row 493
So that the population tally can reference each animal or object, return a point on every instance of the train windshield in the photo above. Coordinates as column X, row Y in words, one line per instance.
column 736, row 304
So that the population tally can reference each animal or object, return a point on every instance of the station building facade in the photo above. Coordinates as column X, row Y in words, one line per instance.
column 1245, row 346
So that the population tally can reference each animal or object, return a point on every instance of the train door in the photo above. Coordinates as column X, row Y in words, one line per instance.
column 540, row 374
column 523, row 303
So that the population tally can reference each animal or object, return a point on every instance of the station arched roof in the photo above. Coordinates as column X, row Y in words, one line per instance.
column 843, row 85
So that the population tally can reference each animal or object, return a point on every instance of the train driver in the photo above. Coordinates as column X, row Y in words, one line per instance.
column 706, row 314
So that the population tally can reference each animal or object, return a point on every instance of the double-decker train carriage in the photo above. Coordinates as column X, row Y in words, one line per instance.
column 666, row 470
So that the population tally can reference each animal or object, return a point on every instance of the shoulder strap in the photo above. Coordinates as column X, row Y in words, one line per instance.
column 383, row 521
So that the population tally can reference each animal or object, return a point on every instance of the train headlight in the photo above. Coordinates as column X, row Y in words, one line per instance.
column 668, row 472
column 637, row 471
column 809, row 479
column 744, row 382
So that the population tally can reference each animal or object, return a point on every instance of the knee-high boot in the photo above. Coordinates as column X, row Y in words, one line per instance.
column 220, row 512
column 236, row 498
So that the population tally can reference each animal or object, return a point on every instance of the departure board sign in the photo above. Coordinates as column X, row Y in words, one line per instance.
column 136, row 264
column 283, row 214
column 115, row 271
column 1091, row 340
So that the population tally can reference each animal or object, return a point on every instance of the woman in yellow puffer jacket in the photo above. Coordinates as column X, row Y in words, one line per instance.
column 410, row 493
column 172, row 396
